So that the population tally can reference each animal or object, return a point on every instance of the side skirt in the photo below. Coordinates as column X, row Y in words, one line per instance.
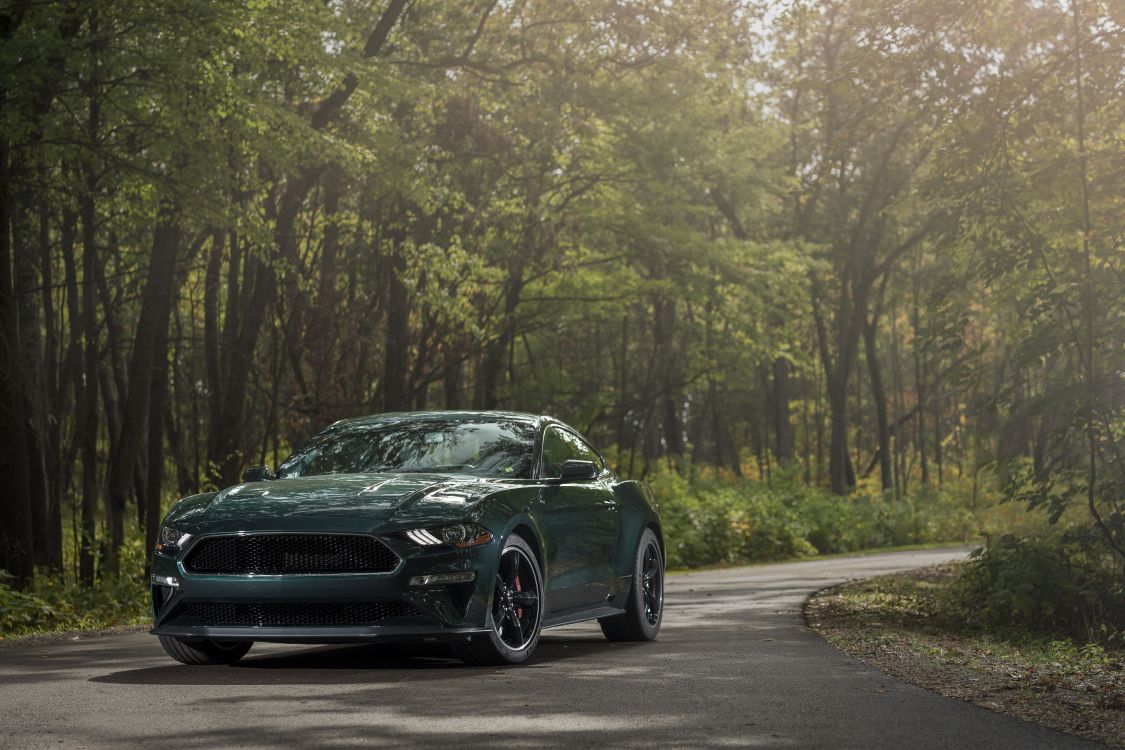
column 571, row 616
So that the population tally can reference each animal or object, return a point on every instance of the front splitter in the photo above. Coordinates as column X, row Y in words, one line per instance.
column 316, row 635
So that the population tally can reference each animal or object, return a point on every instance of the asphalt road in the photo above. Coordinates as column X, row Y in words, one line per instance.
column 734, row 665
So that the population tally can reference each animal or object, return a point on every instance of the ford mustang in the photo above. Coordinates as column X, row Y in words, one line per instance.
column 476, row 528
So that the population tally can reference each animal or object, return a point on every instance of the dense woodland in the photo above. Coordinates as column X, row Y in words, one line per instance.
column 871, row 244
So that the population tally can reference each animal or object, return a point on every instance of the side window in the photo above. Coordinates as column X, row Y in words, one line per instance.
column 560, row 446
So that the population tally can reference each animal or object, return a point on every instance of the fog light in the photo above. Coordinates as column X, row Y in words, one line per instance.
column 437, row 579
column 170, row 581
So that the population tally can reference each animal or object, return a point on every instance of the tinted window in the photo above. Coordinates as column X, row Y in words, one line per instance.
column 486, row 449
column 560, row 446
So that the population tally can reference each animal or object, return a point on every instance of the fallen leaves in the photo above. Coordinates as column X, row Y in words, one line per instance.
column 895, row 624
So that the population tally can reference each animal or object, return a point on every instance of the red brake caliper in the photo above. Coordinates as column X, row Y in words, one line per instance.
column 519, row 610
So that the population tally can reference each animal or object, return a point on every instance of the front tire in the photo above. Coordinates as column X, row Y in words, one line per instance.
column 516, row 614
column 644, row 608
column 203, row 651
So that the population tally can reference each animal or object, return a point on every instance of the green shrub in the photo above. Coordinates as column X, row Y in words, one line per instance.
column 54, row 603
column 714, row 520
column 1061, row 582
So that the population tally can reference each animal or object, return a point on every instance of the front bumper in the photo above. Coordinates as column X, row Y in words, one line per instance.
column 444, row 612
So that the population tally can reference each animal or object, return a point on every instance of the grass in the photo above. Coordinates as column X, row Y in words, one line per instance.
column 904, row 624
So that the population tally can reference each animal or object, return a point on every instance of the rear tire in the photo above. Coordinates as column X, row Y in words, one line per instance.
column 515, row 615
column 203, row 651
column 644, row 607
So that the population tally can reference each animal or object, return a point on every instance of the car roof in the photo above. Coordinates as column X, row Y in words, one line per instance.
column 447, row 416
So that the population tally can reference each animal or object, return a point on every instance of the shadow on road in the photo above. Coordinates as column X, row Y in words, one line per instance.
column 343, row 665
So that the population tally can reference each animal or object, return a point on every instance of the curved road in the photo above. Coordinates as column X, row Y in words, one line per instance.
column 734, row 665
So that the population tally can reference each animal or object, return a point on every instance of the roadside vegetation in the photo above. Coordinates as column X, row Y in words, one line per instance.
column 712, row 520
column 1039, row 646
column 59, row 603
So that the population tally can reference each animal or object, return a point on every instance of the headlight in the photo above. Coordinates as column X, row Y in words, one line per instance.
column 170, row 539
column 458, row 535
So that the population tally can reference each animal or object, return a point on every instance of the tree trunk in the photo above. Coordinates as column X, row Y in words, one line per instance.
column 851, row 308
column 839, row 460
column 938, row 457
column 451, row 380
column 320, row 336
column 396, row 353
column 16, row 551
column 782, row 424
column 54, row 410
column 920, row 436
column 879, row 397
column 155, row 479
column 29, row 377
column 492, row 363
column 149, row 346
column 88, row 421
column 669, row 436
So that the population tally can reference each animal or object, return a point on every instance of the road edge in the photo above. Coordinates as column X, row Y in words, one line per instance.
column 931, row 670
column 44, row 639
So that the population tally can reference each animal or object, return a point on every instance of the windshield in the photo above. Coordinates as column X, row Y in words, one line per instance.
column 483, row 449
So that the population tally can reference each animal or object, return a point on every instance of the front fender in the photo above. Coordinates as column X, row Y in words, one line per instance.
column 637, row 511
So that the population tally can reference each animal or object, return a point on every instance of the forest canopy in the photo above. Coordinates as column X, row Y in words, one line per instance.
column 850, row 244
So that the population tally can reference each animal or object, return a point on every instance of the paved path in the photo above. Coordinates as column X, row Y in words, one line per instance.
column 734, row 665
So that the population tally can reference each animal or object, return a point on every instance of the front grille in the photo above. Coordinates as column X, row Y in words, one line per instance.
column 294, row 615
column 276, row 554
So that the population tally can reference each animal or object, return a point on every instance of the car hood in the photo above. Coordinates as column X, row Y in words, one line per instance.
column 343, row 501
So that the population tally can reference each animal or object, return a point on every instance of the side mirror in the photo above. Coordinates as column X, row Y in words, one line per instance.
column 577, row 471
column 257, row 474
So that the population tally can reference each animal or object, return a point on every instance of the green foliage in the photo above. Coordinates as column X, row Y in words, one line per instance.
column 1061, row 582
column 715, row 521
column 55, row 603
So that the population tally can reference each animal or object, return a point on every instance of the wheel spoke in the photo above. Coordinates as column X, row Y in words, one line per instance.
column 517, row 626
column 514, row 570
column 651, row 585
column 526, row 599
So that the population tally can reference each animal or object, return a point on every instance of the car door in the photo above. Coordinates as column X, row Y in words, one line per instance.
column 579, row 523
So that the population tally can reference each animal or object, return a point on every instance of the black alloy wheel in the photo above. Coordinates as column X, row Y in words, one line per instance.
column 516, row 614
column 652, row 583
column 515, row 603
column 644, row 606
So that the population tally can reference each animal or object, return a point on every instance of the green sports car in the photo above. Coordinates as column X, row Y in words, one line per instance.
column 477, row 528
